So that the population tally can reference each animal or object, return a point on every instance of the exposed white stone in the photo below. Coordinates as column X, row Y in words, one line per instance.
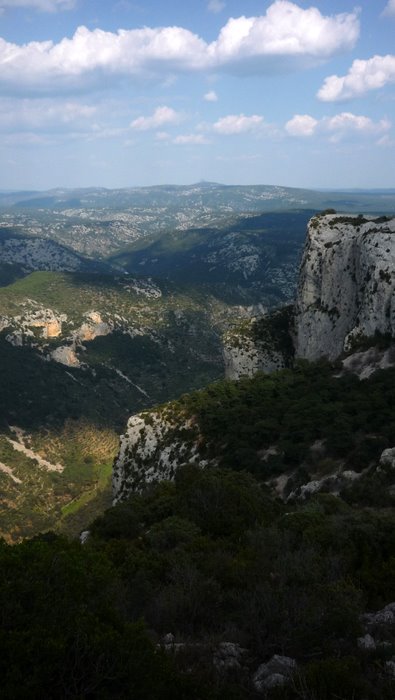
column 15, row 339
column 255, row 346
column 386, row 616
column 366, row 643
column 346, row 284
column 275, row 672
column 10, row 473
column 365, row 363
column 247, row 358
column 146, row 288
column 311, row 487
column 346, row 290
column 65, row 354
column 34, row 316
column 387, row 458
column 151, row 450
column 84, row 536
column 20, row 446
column 228, row 657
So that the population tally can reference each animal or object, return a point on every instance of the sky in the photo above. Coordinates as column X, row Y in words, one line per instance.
column 119, row 93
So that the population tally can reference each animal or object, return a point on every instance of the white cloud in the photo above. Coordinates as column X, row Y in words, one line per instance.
column 185, row 139
column 389, row 10
column 372, row 74
column 347, row 123
column 162, row 115
column 216, row 6
column 211, row 96
column 301, row 125
column 287, row 37
column 44, row 5
column 43, row 114
column 337, row 127
column 237, row 124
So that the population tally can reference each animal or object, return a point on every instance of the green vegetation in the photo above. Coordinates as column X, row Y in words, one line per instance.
column 63, row 636
column 161, row 348
column 210, row 558
column 291, row 410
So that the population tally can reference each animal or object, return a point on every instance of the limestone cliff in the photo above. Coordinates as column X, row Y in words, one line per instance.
column 155, row 444
column 260, row 345
column 346, row 293
column 346, row 285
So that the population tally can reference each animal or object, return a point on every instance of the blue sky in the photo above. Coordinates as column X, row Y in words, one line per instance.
column 126, row 93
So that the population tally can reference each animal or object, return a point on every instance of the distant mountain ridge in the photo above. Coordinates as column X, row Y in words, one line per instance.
column 209, row 194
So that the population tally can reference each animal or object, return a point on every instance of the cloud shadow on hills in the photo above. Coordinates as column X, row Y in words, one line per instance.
column 184, row 256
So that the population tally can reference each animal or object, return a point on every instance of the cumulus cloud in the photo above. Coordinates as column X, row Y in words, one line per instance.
column 389, row 10
column 364, row 75
column 237, row 124
column 301, row 125
column 287, row 37
column 216, row 6
column 43, row 5
column 211, row 96
column 346, row 122
column 187, row 139
column 336, row 127
column 161, row 116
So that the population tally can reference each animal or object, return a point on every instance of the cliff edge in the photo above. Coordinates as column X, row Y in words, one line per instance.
column 346, row 294
column 346, row 287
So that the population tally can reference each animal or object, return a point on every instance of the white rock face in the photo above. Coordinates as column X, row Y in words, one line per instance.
column 34, row 316
column 365, row 363
column 387, row 458
column 346, row 285
column 346, row 290
column 93, row 328
column 152, row 449
column 65, row 354
column 248, row 358
column 261, row 345
column 275, row 672
column 366, row 643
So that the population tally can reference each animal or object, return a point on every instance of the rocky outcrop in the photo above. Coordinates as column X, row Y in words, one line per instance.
column 94, row 327
column 346, row 294
column 154, row 446
column 260, row 345
column 367, row 362
column 275, row 673
column 65, row 355
column 248, row 358
column 387, row 458
column 346, row 288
